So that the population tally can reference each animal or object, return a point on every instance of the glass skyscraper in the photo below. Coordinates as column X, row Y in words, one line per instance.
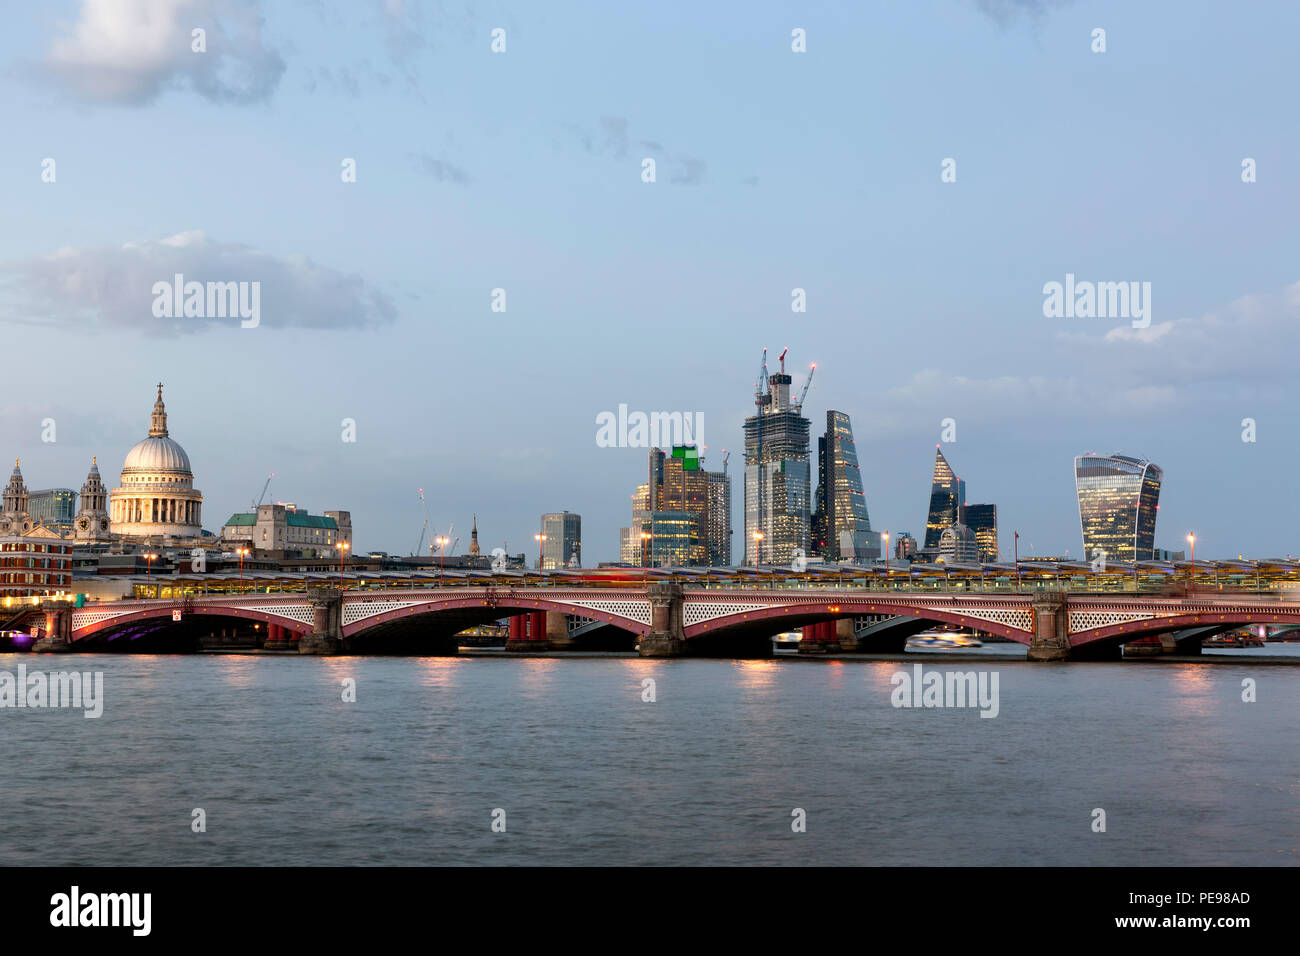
column 841, row 524
column 1118, row 500
column 983, row 520
column 777, row 486
column 563, row 541
column 947, row 493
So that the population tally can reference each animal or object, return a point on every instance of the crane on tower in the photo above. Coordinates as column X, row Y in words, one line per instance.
column 425, row 530
column 798, row 406
column 262, row 496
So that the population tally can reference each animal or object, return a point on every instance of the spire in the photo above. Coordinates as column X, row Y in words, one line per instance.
column 158, row 421
column 473, row 537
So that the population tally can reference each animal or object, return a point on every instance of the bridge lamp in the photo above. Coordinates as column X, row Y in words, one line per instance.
column 241, row 552
column 758, row 548
column 343, row 550
column 540, row 539
column 885, row 537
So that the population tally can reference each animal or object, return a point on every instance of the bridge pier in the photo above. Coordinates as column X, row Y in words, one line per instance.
column 667, row 638
column 58, row 629
column 326, row 637
column 1051, row 641
column 557, row 632
column 846, row 635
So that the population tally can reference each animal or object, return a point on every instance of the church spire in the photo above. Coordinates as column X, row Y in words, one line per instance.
column 473, row 537
column 158, row 421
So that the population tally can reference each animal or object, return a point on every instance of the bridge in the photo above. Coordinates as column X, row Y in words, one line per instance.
column 664, row 616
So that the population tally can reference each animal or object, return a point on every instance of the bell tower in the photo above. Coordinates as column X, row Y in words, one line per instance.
column 92, row 515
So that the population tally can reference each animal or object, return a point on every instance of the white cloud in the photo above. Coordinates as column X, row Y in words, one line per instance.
column 129, row 51
column 112, row 286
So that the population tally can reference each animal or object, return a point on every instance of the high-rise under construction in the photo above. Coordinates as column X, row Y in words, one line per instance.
column 777, row 481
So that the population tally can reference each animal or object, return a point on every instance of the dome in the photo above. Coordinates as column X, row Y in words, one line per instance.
column 157, row 453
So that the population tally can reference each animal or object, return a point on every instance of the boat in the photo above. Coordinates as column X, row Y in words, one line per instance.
column 944, row 639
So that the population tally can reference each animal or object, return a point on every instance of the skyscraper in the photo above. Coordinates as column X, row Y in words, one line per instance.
column 947, row 492
column 841, row 525
column 777, row 492
column 676, row 485
column 983, row 520
column 1118, row 499
column 563, row 539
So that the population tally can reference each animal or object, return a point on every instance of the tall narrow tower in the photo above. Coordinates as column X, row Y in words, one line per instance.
column 473, row 537
column 92, row 517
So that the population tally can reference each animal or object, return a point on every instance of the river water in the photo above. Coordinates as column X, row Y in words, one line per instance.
column 712, row 771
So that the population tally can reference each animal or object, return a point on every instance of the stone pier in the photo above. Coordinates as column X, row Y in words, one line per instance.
column 57, row 638
column 667, row 637
column 1051, row 628
column 326, row 635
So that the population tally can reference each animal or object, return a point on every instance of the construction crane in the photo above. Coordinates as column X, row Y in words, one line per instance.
column 425, row 530
column 262, row 496
column 798, row 406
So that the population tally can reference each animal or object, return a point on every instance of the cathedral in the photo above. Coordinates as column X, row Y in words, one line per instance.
column 156, row 502
column 157, row 497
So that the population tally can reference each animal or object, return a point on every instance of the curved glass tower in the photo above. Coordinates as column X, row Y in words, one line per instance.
column 1118, row 500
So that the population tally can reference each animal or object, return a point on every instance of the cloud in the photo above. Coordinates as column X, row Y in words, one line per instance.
column 1006, row 12
column 1252, row 336
column 440, row 169
column 112, row 287
column 614, row 139
column 127, row 52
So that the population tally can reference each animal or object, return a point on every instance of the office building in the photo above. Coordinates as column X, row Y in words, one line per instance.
column 841, row 527
column 561, row 544
column 53, row 507
column 947, row 493
column 285, row 528
column 1118, row 500
column 983, row 520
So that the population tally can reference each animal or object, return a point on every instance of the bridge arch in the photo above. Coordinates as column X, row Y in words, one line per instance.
column 469, row 610
column 1123, row 632
column 1014, row 622
column 94, row 622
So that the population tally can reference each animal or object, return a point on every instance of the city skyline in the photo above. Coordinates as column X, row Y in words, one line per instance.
column 493, row 412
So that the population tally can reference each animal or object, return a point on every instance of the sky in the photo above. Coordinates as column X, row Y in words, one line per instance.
column 776, row 170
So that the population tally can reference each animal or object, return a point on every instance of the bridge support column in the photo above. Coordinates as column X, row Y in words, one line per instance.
column 1051, row 640
column 278, row 638
column 819, row 638
column 58, row 629
column 528, row 633
column 667, row 637
column 326, row 635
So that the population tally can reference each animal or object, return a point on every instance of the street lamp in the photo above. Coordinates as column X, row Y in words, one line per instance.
column 541, row 540
column 148, row 574
column 885, row 537
column 646, row 537
column 1191, row 572
column 343, row 550
column 442, row 543
column 241, row 552
column 758, row 549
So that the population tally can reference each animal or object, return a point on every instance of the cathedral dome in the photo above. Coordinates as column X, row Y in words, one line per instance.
column 157, row 454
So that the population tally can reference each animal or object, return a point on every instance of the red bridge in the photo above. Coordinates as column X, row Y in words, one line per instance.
column 667, row 618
